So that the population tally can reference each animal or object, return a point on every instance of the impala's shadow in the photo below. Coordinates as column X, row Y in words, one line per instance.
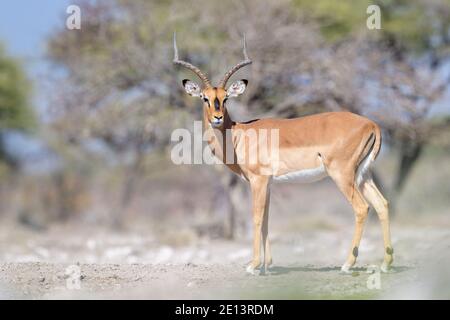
column 279, row 270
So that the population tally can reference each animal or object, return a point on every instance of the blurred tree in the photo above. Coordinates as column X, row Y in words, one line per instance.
column 15, row 111
column 406, row 56
column 120, row 88
column 407, row 25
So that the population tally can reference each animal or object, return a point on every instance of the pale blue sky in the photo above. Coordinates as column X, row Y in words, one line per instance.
column 24, row 28
column 24, row 24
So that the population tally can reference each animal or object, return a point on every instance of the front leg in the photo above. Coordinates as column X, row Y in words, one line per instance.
column 265, row 235
column 260, row 193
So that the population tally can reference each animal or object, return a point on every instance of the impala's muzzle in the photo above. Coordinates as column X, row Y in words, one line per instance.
column 217, row 121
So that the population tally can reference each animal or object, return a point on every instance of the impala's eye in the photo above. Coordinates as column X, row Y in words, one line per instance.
column 206, row 100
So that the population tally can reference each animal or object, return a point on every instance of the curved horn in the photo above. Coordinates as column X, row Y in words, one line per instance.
column 187, row 65
column 241, row 64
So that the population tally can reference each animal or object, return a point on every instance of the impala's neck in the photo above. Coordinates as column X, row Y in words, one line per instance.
column 218, row 139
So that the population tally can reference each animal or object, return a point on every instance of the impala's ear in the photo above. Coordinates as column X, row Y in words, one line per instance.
column 237, row 88
column 192, row 88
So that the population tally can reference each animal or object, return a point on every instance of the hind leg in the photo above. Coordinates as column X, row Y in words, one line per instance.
column 380, row 204
column 361, row 209
column 346, row 183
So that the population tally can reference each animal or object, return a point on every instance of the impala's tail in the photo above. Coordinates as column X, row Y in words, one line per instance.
column 369, row 154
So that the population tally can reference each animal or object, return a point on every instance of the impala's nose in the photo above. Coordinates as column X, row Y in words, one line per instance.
column 217, row 120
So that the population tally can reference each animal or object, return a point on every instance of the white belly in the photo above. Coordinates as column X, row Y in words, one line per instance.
column 303, row 176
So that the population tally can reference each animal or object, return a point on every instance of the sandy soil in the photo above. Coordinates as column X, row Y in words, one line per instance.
column 142, row 281
column 306, row 265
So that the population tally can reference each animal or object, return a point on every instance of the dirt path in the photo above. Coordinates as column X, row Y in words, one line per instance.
column 306, row 266
column 44, row 280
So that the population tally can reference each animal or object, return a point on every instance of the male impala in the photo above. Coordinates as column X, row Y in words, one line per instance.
column 340, row 145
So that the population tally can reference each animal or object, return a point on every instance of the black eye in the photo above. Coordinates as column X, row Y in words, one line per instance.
column 205, row 99
column 225, row 100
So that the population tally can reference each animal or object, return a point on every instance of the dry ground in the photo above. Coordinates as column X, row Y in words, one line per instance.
column 310, row 228
column 132, row 265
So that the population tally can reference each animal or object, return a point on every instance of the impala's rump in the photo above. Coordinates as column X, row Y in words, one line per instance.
column 367, row 158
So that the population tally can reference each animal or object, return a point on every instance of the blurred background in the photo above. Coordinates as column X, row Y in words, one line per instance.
column 86, row 117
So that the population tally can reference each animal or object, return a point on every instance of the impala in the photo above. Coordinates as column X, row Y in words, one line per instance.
column 340, row 145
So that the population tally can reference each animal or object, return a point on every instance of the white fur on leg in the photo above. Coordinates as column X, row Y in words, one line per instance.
column 385, row 267
column 250, row 269
column 264, row 271
column 346, row 268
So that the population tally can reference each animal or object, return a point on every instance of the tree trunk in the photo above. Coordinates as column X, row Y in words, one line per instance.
column 410, row 152
column 128, row 189
column 235, row 198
